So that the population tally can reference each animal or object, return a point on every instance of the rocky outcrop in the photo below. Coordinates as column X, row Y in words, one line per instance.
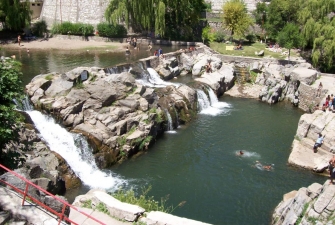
column 127, row 212
column 308, row 206
column 310, row 125
column 118, row 115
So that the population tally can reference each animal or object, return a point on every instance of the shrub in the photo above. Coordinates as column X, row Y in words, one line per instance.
column 110, row 30
column 39, row 28
column 145, row 201
column 251, row 38
column 219, row 36
column 73, row 29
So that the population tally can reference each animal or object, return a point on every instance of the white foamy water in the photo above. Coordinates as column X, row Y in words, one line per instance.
column 248, row 154
column 154, row 80
column 210, row 106
column 75, row 150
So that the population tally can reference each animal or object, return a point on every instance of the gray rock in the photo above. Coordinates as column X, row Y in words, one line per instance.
column 305, row 75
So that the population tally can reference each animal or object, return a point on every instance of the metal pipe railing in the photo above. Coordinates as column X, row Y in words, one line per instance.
column 25, row 194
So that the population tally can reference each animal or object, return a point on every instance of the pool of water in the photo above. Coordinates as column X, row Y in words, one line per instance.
column 45, row 61
column 198, row 164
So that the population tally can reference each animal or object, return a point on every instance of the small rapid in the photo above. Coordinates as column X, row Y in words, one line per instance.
column 152, row 79
column 210, row 106
column 76, row 151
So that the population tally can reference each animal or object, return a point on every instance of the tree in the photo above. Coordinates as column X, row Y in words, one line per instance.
column 316, row 17
column 290, row 37
column 280, row 12
column 260, row 14
column 169, row 18
column 207, row 34
column 236, row 18
column 10, row 88
column 14, row 14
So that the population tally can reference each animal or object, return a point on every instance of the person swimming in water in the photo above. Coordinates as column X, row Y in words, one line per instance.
column 240, row 153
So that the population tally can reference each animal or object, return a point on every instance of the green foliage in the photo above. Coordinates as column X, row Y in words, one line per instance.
column 10, row 88
column 87, row 204
column 48, row 77
column 153, row 110
column 280, row 12
column 15, row 14
column 260, row 13
column 236, row 18
column 159, row 118
column 207, row 34
column 219, row 36
column 172, row 19
column 253, row 76
column 251, row 38
column 101, row 207
column 111, row 30
column 145, row 142
column 122, row 140
column 290, row 37
column 39, row 28
column 145, row 201
column 208, row 6
column 73, row 29
column 302, row 214
column 79, row 85
column 319, row 31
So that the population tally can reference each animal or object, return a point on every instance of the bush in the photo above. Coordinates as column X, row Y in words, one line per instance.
column 219, row 36
column 73, row 29
column 251, row 38
column 110, row 30
column 39, row 28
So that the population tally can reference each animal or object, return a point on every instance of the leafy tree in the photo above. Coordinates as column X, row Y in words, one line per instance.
column 236, row 18
column 318, row 30
column 290, row 37
column 260, row 14
column 15, row 14
column 207, row 34
column 10, row 88
column 280, row 12
column 169, row 18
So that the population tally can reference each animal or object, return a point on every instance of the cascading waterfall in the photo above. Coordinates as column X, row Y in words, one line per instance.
column 169, row 120
column 214, row 100
column 210, row 107
column 152, row 79
column 203, row 102
column 75, row 150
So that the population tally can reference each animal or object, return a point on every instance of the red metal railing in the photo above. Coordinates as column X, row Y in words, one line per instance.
column 61, row 216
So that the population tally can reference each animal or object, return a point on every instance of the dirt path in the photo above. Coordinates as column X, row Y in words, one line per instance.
column 55, row 43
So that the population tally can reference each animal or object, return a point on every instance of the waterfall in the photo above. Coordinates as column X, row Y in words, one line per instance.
column 75, row 150
column 214, row 100
column 156, row 81
column 210, row 106
column 203, row 102
column 169, row 120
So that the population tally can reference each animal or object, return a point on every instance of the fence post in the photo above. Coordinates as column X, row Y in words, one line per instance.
column 62, row 215
column 25, row 193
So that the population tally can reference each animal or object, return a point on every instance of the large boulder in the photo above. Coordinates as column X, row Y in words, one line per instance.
column 305, row 75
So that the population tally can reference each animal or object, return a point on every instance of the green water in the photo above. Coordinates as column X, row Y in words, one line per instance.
column 197, row 164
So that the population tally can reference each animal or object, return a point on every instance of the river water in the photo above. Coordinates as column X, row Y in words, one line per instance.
column 198, row 163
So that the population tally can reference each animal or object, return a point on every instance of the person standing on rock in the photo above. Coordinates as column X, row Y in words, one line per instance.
column 331, row 168
column 318, row 142
column 318, row 92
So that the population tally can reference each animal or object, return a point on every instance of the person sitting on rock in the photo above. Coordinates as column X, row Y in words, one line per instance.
column 318, row 143
column 208, row 67
column 331, row 168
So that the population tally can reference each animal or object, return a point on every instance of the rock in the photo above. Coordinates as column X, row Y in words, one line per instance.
column 202, row 60
column 59, row 87
column 305, row 75
column 260, row 53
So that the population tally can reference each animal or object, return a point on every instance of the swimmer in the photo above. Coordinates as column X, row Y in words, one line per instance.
column 268, row 168
column 241, row 152
column 127, row 51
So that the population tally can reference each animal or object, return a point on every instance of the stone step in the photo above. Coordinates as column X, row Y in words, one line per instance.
column 4, row 217
column 17, row 223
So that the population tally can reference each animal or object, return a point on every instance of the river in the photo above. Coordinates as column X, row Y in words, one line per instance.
column 198, row 163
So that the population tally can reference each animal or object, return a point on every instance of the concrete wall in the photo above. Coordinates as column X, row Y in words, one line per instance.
column 84, row 11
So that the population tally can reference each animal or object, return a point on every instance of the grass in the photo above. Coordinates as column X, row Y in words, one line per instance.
column 145, row 201
column 302, row 214
column 248, row 50
column 49, row 77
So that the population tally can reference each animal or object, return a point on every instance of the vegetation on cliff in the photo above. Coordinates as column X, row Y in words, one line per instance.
column 10, row 88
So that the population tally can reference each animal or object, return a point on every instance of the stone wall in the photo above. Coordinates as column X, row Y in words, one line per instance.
column 307, row 97
column 84, row 11
column 217, row 4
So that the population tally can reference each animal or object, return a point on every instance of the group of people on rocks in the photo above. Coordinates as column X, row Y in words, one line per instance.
column 329, row 103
